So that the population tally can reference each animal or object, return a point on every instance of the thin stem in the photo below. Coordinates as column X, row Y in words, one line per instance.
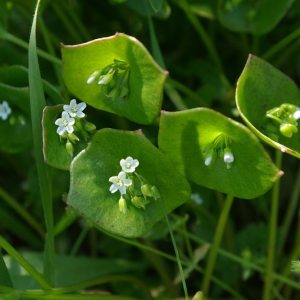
column 245, row 262
column 80, row 239
column 12, row 202
column 282, row 44
column 24, row 263
column 188, row 242
column 289, row 215
column 64, row 222
column 223, row 285
column 183, row 88
column 272, row 233
column 216, row 243
column 202, row 33
column 13, row 39
column 4, row 274
column 176, row 251
column 175, row 97
column 50, row 49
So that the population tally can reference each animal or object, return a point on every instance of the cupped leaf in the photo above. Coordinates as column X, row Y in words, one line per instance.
column 55, row 153
column 146, row 79
column 15, row 136
column 260, row 88
column 257, row 17
column 91, row 169
column 183, row 137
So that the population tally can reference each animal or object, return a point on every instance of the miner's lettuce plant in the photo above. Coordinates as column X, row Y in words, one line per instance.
column 126, row 154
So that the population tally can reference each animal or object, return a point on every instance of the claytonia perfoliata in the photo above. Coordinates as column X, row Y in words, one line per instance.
column 5, row 110
column 120, row 183
column 129, row 164
column 65, row 123
column 136, row 185
column 74, row 109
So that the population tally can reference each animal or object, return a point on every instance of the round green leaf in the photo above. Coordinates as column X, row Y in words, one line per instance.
column 55, row 153
column 260, row 88
column 183, row 137
column 257, row 17
column 146, row 81
column 17, row 137
column 91, row 169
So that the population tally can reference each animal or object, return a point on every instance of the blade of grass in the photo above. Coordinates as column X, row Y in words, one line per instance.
column 37, row 104
column 4, row 275
column 24, row 263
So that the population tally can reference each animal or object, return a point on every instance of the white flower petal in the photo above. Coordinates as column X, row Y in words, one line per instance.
column 113, row 179
column 113, row 188
column 135, row 163
column 80, row 114
column 70, row 129
column 127, row 182
column 81, row 106
column 61, row 130
column 122, row 190
column 122, row 175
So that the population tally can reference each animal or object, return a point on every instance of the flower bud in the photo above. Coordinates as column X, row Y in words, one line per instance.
column 106, row 89
column 21, row 119
column 210, row 157
column 139, row 202
column 85, row 134
column 155, row 192
column 123, row 91
column 90, row 127
column 289, row 107
column 73, row 137
column 114, row 93
column 288, row 129
column 122, row 205
column 146, row 190
column 228, row 156
column 106, row 79
column 198, row 296
column 69, row 148
column 12, row 120
column 92, row 78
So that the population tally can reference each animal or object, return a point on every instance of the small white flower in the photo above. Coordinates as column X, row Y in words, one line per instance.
column 228, row 157
column 5, row 110
column 208, row 159
column 296, row 114
column 75, row 110
column 129, row 164
column 65, row 123
column 120, row 183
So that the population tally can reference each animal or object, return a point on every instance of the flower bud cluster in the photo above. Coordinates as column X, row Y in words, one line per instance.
column 219, row 148
column 113, row 79
column 13, row 118
column 72, row 121
column 286, row 116
column 132, row 186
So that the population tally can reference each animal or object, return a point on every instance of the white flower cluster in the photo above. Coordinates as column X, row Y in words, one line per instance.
column 5, row 110
column 219, row 148
column 67, row 121
column 129, row 180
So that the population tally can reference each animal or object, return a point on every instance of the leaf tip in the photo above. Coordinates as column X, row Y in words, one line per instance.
column 140, row 131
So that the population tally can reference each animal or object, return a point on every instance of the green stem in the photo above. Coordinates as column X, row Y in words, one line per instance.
column 183, row 88
column 272, row 234
column 64, row 222
column 176, row 251
column 188, row 242
column 289, row 215
column 245, row 262
column 22, row 212
column 67, row 24
column 216, row 243
column 202, row 33
column 282, row 44
column 80, row 239
column 13, row 39
column 83, row 285
column 24, row 263
column 37, row 104
column 51, row 50
column 237, row 296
